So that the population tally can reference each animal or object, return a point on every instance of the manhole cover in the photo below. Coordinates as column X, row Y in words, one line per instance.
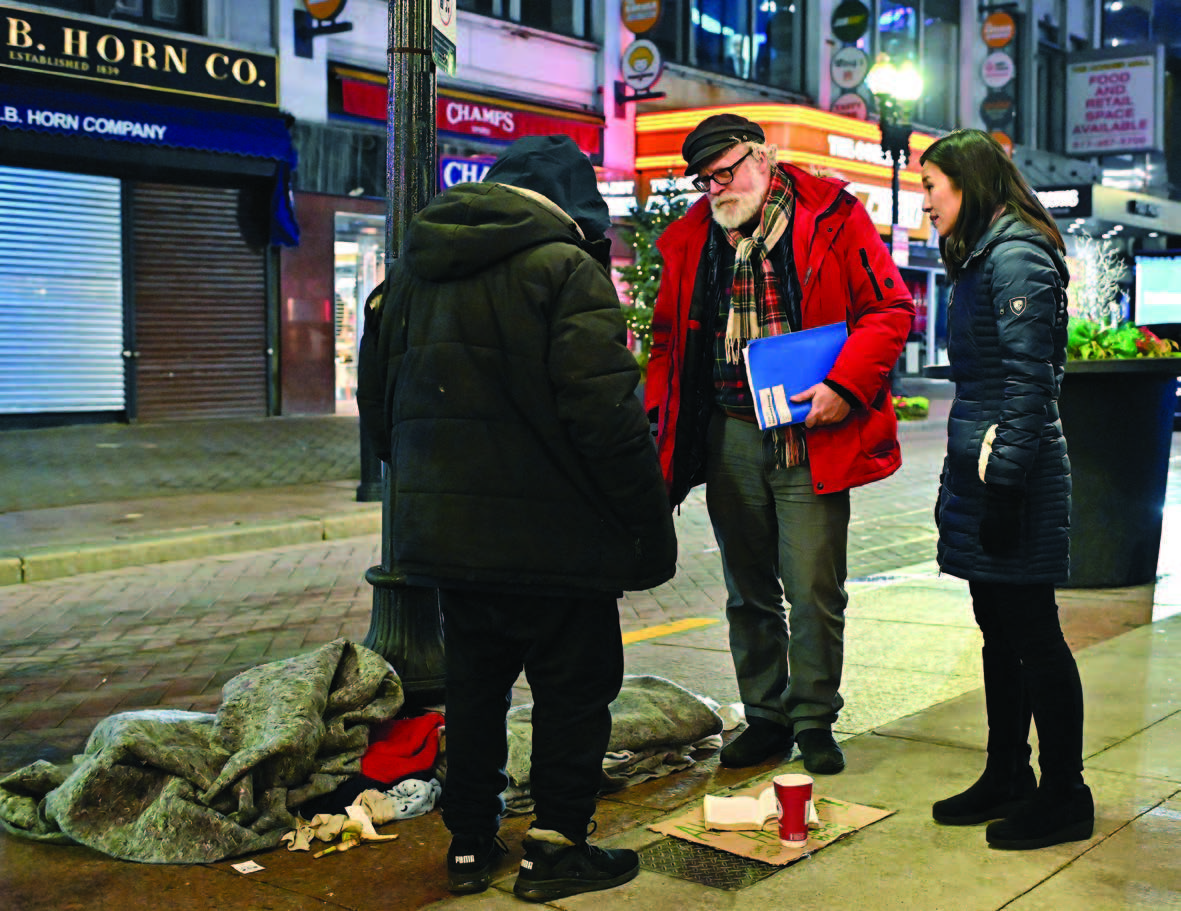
column 703, row 865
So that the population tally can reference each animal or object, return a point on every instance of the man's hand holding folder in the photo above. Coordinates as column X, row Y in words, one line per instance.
column 786, row 375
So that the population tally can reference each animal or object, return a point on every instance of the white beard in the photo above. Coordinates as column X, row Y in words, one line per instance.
column 734, row 211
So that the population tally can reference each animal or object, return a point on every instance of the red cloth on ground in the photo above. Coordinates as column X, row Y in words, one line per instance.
column 402, row 748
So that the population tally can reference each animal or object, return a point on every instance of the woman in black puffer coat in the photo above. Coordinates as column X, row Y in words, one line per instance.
column 1003, row 509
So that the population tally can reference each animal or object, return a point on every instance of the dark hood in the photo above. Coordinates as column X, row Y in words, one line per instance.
column 473, row 226
column 557, row 169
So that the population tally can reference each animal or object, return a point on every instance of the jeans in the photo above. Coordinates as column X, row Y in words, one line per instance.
column 779, row 539
column 571, row 651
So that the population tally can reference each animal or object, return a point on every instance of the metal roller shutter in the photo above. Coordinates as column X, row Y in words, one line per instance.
column 61, row 292
column 200, row 306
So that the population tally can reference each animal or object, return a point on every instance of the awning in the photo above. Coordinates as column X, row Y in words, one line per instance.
column 483, row 117
column 71, row 115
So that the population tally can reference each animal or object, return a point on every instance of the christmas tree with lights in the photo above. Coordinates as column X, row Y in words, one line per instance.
column 643, row 275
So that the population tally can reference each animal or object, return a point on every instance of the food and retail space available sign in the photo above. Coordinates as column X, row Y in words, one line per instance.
column 998, row 72
column 1115, row 102
column 101, row 52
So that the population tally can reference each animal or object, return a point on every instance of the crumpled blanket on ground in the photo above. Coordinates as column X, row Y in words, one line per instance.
column 189, row 787
column 655, row 726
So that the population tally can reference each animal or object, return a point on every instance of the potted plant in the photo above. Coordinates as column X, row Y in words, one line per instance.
column 1117, row 404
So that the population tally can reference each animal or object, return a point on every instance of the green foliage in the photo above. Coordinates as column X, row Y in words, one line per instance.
column 911, row 408
column 1089, row 340
column 643, row 275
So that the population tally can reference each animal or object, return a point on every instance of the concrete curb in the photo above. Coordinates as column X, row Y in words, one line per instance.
column 59, row 561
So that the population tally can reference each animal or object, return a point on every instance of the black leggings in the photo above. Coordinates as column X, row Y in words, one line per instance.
column 1027, row 664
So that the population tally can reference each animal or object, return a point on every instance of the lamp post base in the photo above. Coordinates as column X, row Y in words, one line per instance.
column 406, row 629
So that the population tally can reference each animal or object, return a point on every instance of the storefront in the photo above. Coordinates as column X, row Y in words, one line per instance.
column 143, row 184
column 319, row 306
column 812, row 139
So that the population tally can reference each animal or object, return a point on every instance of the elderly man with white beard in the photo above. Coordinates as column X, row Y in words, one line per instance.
column 770, row 249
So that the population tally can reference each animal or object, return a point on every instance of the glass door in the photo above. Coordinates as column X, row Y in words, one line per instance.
column 359, row 251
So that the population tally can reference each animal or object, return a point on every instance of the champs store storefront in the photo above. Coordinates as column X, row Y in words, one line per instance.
column 143, row 184
column 813, row 139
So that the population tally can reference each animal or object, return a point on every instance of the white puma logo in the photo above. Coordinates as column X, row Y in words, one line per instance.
column 526, row 864
column 465, row 858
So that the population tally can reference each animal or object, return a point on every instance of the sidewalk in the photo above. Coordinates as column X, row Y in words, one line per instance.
column 90, row 498
column 913, row 731
column 86, row 644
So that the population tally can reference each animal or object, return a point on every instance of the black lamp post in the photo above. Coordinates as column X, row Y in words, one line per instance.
column 896, row 90
column 405, row 626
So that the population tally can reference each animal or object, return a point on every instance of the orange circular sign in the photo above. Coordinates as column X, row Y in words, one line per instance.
column 998, row 29
column 1005, row 142
column 325, row 9
column 640, row 15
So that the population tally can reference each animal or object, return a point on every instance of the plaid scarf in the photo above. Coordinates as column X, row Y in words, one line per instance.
column 756, row 303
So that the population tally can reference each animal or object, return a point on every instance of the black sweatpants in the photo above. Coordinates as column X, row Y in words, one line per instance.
column 572, row 654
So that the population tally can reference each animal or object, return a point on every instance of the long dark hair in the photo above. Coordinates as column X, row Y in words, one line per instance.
column 979, row 168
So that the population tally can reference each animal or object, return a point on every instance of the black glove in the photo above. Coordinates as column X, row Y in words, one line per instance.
column 939, row 499
column 1000, row 529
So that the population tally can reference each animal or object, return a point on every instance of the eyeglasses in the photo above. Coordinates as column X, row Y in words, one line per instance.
column 723, row 176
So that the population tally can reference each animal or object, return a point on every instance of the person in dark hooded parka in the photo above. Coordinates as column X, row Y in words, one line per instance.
column 1003, row 509
column 496, row 382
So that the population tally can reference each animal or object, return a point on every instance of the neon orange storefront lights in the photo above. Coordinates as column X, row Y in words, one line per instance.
column 798, row 131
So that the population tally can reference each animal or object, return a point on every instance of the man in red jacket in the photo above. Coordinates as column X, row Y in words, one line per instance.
column 771, row 249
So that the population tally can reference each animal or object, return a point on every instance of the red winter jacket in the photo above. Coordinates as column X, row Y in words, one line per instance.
column 846, row 273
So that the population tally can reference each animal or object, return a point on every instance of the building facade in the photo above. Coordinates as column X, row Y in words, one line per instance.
column 192, row 203
column 144, row 169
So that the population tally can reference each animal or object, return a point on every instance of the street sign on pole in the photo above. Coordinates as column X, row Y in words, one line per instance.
column 444, row 34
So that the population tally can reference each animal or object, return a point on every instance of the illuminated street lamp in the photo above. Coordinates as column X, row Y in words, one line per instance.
column 896, row 89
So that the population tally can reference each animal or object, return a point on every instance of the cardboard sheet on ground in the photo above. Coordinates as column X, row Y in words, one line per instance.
column 838, row 819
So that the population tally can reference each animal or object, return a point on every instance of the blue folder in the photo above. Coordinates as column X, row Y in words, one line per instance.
column 781, row 366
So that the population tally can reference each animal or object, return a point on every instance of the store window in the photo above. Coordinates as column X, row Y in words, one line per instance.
column 175, row 15
column 1050, row 76
column 928, row 33
column 939, row 53
column 359, row 252
column 757, row 40
column 566, row 17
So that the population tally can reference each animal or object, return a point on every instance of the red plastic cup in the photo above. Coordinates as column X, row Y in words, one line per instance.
column 792, row 793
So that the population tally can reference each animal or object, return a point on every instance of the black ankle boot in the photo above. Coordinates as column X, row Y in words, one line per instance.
column 1053, row 816
column 995, row 795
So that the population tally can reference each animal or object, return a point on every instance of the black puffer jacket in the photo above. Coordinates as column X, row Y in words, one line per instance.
column 1007, row 347
column 495, row 381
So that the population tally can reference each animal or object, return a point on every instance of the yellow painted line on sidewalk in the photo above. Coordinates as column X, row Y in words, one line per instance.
column 666, row 629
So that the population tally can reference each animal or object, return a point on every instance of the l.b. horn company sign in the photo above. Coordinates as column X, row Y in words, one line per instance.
column 95, row 50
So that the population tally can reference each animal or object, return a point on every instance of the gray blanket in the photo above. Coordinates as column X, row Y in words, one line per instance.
column 188, row 787
column 655, row 725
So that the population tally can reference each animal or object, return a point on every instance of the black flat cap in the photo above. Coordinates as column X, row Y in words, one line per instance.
column 714, row 135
